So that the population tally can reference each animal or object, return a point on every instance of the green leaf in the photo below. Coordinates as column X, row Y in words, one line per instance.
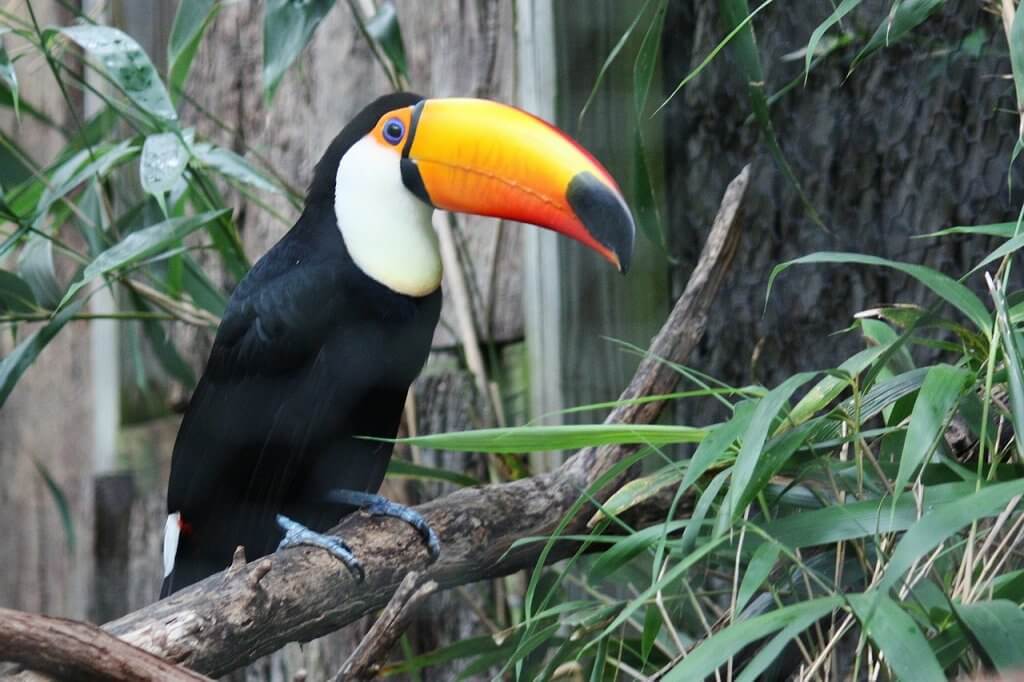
column 844, row 8
column 702, row 661
column 718, row 440
column 15, row 295
column 1015, row 42
column 288, row 26
column 163, row 161
column 167, row 354
column 539, row 438
column 758, row 570
column 955, row 293
column 1005, row 230
column 24, row 354
column 383, row 27
column 853, row 520
column 700, row 510
column 71, row 173
column 998, row 626
column 8, row 75
column 714, row 52
column 906, row 15
column 610, row 59
column 1014, row 365
column 35, row 265
column 233, row 166
column 191, row 21
column 652, row 626
column 401, row 468
column 639, row 489
column 140, row 245
column 925, row 535
column 61, row 502
column 1003, row 250
column 628, row 547
column 127, row 65
column 897, row 636
column 829, row 388
column 754, row 437
column 936, row 400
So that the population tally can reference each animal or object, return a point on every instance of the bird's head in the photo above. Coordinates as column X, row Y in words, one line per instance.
column 404, row 155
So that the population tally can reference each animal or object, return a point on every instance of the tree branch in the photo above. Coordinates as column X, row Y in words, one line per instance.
column 72, row 650
column 251, row 610
column 364, row 662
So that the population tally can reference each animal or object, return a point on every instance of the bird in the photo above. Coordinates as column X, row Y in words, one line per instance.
column 286, row 431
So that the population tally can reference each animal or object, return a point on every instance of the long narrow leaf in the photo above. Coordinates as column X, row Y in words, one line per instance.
column 946, row 287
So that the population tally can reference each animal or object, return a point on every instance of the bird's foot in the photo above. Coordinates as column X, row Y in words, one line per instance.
column 382, row 506
column 297, row 534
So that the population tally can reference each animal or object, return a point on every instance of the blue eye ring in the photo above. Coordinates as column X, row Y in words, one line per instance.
column 393, row 130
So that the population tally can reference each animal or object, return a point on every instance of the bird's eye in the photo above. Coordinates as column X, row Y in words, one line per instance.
column 394, row 130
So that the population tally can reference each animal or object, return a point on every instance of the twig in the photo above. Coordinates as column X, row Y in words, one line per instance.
column 71, row 650
column 364, row 662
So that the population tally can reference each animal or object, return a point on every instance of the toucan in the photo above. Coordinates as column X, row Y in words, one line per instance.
column 321, row 340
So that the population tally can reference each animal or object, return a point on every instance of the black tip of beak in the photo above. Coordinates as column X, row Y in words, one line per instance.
column 604, row 214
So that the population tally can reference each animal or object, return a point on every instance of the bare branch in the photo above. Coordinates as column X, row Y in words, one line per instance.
column 364, row 662
column 71, row 650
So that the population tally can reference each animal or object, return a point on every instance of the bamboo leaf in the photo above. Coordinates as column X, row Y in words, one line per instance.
column 1004, row 230
column 35, row 265
column 233, row 166
column 25, row 353
column 8, row 75
column 998, row 626
column 897, row 636
column 758, row 570
column 906, row 16
column 934, row 528
column 718, row 648
column 1014, row 364
column 60, row 500
column 288, row 26
column 571, row 437
column 140, row 245
column 162, row 164
column 190, row 22
column 936, row 400
column 384, row 28
column 127, row 66
column 15, row 295
column 844, row 8
column 955, row 293
column 755, row 435
column 401, row 468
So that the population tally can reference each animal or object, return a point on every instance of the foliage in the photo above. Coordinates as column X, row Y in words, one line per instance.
column 834, row 521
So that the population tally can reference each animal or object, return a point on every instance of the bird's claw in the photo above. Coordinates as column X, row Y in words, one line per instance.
column 296, row 534
column 382, row 506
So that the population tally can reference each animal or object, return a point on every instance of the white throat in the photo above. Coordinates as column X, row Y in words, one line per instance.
column 386, row 229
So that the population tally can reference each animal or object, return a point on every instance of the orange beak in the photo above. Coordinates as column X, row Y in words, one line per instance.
column 480, row 157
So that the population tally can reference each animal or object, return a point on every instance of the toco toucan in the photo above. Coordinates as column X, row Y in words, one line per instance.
column 321, row 340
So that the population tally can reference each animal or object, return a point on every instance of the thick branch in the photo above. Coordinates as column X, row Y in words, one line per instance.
column 235, row 617
column 72, row 650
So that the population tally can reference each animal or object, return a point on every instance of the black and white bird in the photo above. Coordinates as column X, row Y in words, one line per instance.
column 321, row 340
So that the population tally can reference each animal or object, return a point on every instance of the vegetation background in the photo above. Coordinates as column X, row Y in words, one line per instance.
column 857, row 484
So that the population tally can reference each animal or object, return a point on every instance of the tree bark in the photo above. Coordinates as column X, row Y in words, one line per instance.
column 72, row 650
